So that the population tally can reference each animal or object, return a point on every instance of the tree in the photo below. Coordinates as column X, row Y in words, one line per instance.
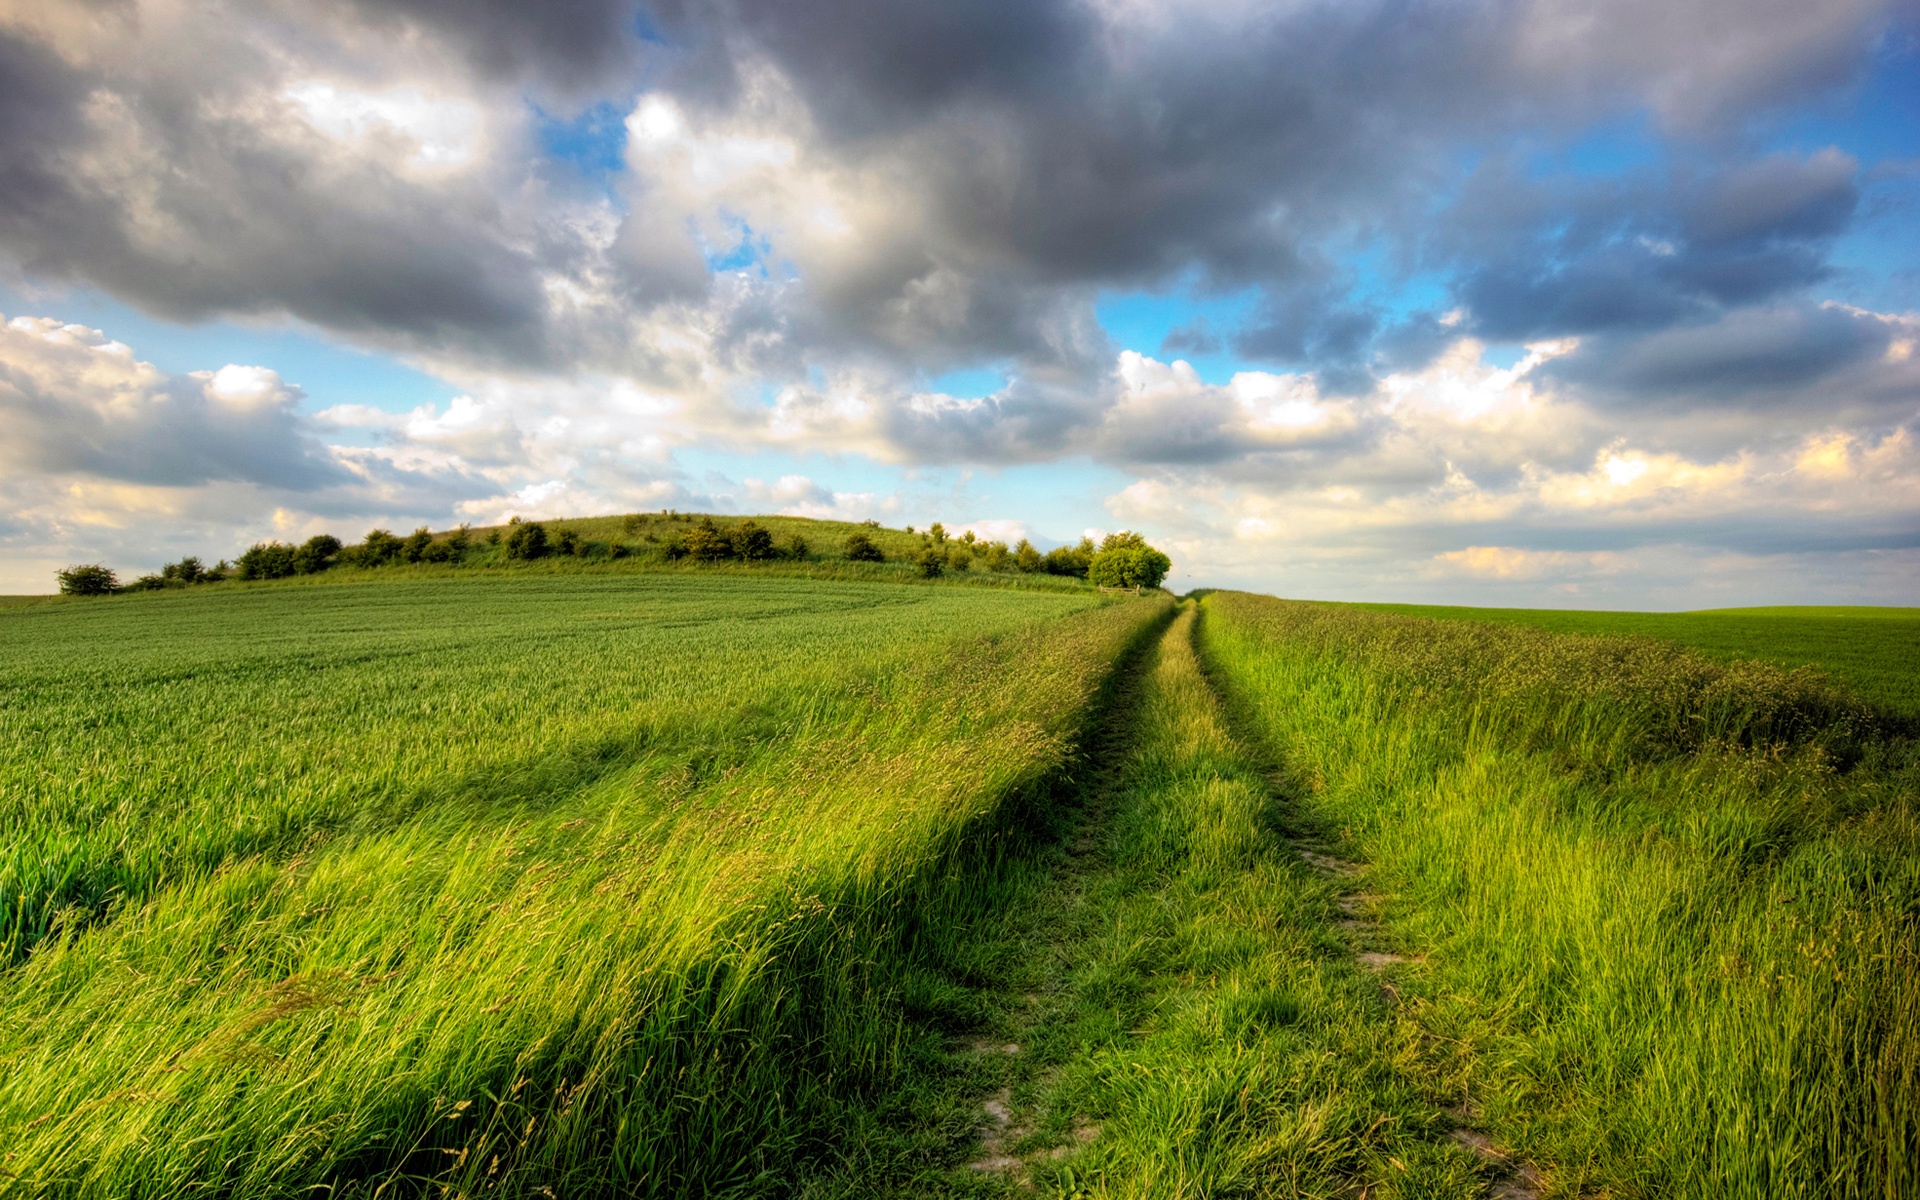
column 1027, row 558
column 1125, row 560
column 860, row 548
column 267, row 560
column 959, row 558
column 527, row 540
column 705, row 542
column 89, row 580
column 995, row 557
column 937, row 532
column 932, row 563
column 568, row 542
column 752, row 542
column 316, row 554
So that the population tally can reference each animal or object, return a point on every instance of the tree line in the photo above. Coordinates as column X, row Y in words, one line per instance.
column 1121, row 560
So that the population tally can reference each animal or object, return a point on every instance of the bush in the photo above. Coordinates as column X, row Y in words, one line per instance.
column 1063, row 560
column 932, row 563
column 459, row 540
column 438, row 552
column 414, row 548
column 959, row 558
column 188, row 570
column 995, row 556
column 705, row 542
column 267, row 560
column 566, row 541
column 1027, row 559
column 148, row 583
column 316, row 554
column 752, row 542
column 797, row 548
column 860, row 548
column 90, row 580
column 379, row 549
column 527, row 540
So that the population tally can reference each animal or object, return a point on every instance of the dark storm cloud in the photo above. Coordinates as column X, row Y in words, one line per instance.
column 568, row 45
column 1043, row 150
column 1557, row 257
column 1755, row 357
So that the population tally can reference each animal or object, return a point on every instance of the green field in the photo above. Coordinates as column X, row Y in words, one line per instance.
column 584, row 878
column 1874, row 651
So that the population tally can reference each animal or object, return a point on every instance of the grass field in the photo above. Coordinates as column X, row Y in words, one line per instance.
column 589, row 879
column 1874, row 651
column 516, row 883
column 1658, row 911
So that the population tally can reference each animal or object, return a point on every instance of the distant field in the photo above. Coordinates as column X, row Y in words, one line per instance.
column 1874, row 651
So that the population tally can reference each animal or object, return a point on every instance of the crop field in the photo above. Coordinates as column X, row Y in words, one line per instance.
column 1873, row 651
column 586, row 879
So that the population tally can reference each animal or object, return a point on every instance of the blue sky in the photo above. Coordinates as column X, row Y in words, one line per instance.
column 1609, row 305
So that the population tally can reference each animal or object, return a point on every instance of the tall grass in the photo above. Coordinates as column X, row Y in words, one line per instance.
column 661, row 976
column 153, row 736
column 1670, row 904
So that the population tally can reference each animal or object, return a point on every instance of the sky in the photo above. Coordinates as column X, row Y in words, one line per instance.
column 1557, row 303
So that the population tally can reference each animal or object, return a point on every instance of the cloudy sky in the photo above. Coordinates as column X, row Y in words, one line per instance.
column 1587, row 303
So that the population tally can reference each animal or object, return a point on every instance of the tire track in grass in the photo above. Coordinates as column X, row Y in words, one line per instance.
column 1171, row 1009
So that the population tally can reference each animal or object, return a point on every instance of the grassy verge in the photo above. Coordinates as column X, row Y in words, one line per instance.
column 1666, row 906
column 672, row 974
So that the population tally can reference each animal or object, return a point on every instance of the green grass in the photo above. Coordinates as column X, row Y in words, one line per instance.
column 1874, row 651
column 593, row 877
column 497, row 881
column 1664, row 906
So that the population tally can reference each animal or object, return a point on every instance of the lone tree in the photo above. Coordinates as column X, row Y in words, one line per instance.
column 89, row 580
column 1125, row 560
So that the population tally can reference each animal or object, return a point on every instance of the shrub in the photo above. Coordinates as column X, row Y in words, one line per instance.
column 188, row 570
column 959, row 558
column 932, row 563
column 267, row 560
column 860, row 548
column 797, row 548
column 438, row 552
column 414, row 548
column 938, row 533
column 705, row 542
column 379, row 549
column 90, row 580
column 1064, row 560
column 459, row 540
column 316, row 554
column 995, row 556
column 566, row 541
column 148, row 583
column 1026, row 558
column 752, row 542
column 527, row 540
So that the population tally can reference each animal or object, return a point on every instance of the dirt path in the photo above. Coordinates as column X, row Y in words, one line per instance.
column 1192, row 999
